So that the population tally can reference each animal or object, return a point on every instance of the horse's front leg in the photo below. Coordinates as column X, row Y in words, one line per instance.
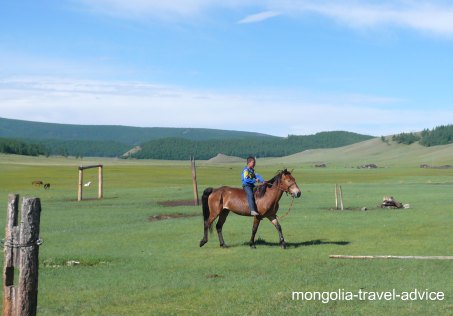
column 256, row 223
column 274, row 221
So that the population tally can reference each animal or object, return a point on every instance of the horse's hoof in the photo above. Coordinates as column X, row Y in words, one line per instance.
column 202, row 242
column 223, row 246
column 252, row 245
column 283, row 245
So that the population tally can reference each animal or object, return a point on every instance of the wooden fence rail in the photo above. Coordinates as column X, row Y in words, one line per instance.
column 392, row 257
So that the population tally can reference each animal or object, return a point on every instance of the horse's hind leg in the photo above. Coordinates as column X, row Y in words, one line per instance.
column 205, row 236
column 222, row 217
column 280, row 233
column 256, row 223
column 208, row 225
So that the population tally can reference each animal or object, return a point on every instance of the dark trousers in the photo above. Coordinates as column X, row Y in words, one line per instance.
column 250, row 198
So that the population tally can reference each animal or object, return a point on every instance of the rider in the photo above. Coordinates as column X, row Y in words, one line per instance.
column 249, row 178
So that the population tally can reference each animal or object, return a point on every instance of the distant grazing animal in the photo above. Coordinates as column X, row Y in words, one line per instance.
column 219, row 202
column 47, row 186
column 37, row 183
column 87, row 184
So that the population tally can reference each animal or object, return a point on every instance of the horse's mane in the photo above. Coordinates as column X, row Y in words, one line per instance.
column 270, row 183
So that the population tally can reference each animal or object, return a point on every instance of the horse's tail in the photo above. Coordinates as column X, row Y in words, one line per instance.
column 205, row 206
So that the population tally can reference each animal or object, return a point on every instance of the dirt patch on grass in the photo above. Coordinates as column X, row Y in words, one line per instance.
column 177, row 203
column 161, row 217
column 61, row 262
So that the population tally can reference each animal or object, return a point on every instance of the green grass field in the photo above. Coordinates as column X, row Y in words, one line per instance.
column 132, row 266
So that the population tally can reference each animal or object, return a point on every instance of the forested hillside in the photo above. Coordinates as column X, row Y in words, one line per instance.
column 11, row 146
column 19, row 129
column 441, row 135
column 83, row 148
column 178, row 148
column 34, row 138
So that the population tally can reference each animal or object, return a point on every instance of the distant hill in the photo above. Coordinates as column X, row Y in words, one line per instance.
column 162, row 143
column 374, row 151
column 178, row 148
column 221, row 158
column 128, row 135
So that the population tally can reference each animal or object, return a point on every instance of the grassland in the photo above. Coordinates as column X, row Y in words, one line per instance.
column 132, row 266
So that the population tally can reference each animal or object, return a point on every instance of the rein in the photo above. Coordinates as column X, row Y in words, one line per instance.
column 292, row 201
column 289, row 210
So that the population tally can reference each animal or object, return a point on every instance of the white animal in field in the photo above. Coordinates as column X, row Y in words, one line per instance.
column 87, row 184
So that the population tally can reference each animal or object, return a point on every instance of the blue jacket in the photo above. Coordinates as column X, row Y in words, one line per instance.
column 249, row 177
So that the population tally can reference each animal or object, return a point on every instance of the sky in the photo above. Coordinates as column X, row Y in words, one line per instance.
column 279, row 67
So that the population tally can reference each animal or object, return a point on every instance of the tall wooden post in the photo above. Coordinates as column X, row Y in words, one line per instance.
column 21, row 251
column 338, row 197
column 27, row 302
column 100, row 182
column 194, row 180
column 79, row 191
column 10, row 256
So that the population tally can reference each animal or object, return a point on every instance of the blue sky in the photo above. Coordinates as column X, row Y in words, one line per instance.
column 272, row 66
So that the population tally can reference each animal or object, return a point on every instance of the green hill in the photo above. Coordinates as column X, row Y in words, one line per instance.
column 128, row 135
column 178, row 148
column 373, row 151
column 163, row 143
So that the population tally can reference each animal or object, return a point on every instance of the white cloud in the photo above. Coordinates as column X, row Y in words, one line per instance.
column 433, row 16
column 259, row 17
column 162, row 10
column 58, row 100
column 426, row 16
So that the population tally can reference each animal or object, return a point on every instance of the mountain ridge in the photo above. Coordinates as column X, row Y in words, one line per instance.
column 157, row 142
column 130, row 135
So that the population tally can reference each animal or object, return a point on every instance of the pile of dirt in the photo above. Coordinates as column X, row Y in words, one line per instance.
column 161, row 217
column 176, row 203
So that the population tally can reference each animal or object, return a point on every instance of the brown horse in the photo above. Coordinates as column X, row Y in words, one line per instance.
column 219, row 202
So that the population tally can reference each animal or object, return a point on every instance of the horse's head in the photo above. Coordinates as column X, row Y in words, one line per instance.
column 288, row 184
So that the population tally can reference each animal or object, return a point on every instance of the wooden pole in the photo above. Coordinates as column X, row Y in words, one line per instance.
column 100, row 182
column 341, row 197
column 27, row 300
column 79, row 191
column 336, row 196
column 21, row 249
column 392, row 257
column 10, row 256
column 194, row 179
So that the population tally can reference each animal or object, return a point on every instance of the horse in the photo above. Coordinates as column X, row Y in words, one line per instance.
column 47, row 186
column 219, row 202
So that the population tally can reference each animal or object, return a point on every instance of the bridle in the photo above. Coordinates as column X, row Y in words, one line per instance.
column 288, row 188
column 292, row 199
column 280, row 187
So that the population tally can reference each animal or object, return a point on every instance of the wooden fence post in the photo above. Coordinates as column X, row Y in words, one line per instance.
column 100, row 182
column 22, row 243
column 79, row 189
column 10, row 255
column 338, row 197
column 194, row 179
column 27, row 302
column 341, row 197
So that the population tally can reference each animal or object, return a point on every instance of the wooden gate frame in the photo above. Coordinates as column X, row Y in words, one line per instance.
column 100, row 181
